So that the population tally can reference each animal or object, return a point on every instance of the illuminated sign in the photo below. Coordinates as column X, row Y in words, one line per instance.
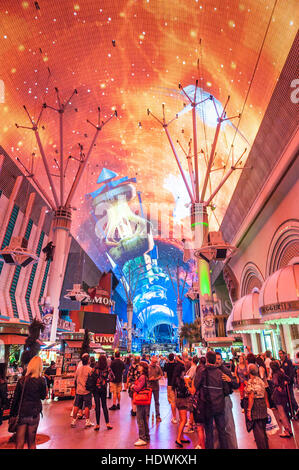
column 102, row 300
column 280, row 307
column 104, row 339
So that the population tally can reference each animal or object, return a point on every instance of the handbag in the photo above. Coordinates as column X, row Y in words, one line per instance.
column 14, row 420
column 144, row 397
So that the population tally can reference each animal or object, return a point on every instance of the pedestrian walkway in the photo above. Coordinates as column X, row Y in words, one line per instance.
column 56, row 425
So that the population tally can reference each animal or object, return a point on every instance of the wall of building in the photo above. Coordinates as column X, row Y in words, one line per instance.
column 23, row 213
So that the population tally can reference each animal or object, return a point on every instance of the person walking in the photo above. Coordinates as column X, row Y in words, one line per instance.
column 3, row 390
column 142, row 410
column 27, row 405
column 280, row 397
column 230, row 384
column 97, row 384
column 117, row 367
column 83, row 396
column 155, row 374
column 168, row 370
column 256, row 404
column 209, row 379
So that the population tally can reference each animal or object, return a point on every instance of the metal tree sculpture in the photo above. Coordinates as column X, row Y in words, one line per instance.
column 61, row 206
column 179, row 294
column 201, row 246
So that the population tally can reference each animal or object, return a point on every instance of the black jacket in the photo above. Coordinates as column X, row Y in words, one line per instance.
column 97, row 380
column 209, row 378
column 229, row 387
column 3, row 398
column 35, row 391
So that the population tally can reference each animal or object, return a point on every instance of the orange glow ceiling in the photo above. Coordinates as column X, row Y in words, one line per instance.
column 130, row 56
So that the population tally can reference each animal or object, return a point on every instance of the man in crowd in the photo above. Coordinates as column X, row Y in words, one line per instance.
column 168, row 371
column 117, row 367
column 155, row 374
column 83, row 397
column 230, row 384
column 289, row 369
column 186, row 361
column 49, row 373
column 209, row 378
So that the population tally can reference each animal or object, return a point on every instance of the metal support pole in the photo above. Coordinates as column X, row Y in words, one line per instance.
column 179, row 164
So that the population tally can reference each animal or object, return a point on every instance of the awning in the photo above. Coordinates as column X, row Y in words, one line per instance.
column 245, row 316
column 97, row 347
column 220, row 341
column 74, row 344
column 12, row 339
column 46, row 347
column 279, row 296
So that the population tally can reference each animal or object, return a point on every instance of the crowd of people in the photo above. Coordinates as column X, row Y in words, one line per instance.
column 198, row 391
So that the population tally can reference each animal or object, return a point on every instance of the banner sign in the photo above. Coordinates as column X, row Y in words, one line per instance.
column 280, row 307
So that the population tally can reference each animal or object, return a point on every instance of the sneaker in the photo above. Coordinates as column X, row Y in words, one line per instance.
column 198, row 446
column 133, row 413
column 140, row 442
column 174, row 421
column 118, row 407
column 96, row 428
column 158, row 419
column 73, row 423
column 113, row 407
column 109, row 427
column 88, row 423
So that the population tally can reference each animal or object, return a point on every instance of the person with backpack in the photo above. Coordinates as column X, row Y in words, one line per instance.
column 117, row 367
column 97, row 384
column 280, row 396
column 142, row 410
column 209, row 382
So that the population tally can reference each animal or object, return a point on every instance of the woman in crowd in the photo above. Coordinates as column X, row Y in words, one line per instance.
column 97, row 384
column 183, row 393
column 263, row 375
column 3, row 390
column 133, row 375
column 190, row 375
column 125, row 372
column 242, row 377
column 142, row 410
column 256, row 404
column 34, row 389
column 280, row 396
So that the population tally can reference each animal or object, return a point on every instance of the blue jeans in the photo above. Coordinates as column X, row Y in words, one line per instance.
column 220, row 425
column 142, row 421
